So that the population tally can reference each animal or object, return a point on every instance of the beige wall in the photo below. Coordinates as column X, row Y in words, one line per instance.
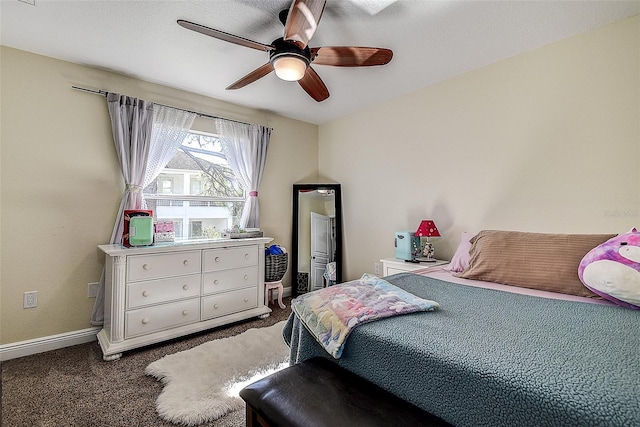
column 61, row 183
column 545, row 141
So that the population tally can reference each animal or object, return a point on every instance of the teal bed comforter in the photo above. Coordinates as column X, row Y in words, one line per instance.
column 493, row 358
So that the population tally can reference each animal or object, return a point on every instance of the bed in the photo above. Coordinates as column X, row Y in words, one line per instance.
column 496, row 355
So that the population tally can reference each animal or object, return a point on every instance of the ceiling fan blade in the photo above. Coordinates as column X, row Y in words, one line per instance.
column 252, row 76
column 221, row 35
column 313, row 85
column 302, row 21
column 350, row 56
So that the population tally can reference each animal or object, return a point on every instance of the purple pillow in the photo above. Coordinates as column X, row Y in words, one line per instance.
column 460, row 260
column 612, row 270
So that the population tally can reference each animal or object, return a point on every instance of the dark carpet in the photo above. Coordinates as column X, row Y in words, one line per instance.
column 75, row 387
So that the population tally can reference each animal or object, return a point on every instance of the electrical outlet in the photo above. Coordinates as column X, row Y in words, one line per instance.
column 92, row 290
column 30, row 299
column 376, row 268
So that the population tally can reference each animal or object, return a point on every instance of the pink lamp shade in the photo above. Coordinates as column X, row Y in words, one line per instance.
column 427, row 228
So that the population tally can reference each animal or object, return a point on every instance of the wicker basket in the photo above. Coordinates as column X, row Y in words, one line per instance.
column 275, row 266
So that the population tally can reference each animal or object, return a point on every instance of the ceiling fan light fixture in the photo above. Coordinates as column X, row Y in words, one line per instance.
column 290, row 67
column 290, row 56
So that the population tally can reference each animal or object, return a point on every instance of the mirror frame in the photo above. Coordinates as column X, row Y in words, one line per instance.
column 294, row 233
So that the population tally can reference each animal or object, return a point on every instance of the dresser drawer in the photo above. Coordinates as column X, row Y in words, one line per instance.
column 225, row 280
column 229, row 302
column 145, row 267
column 146, row 320
column 158, row 291
column 225, row 258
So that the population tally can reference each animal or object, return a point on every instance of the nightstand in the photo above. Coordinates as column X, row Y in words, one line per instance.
column 393, row 265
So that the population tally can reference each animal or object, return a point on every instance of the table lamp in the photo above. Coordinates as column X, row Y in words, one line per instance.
column 427, row 228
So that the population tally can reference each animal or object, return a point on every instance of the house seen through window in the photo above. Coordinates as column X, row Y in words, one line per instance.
column 197, row 190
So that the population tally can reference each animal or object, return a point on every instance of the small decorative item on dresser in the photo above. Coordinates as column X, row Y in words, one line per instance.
column 163, row 231
column 427, row 228
column 137, row 229
column 239, row 233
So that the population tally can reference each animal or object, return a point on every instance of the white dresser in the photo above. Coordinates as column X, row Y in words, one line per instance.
column 165, row 291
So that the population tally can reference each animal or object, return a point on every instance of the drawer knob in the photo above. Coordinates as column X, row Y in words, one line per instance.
column 145, row 321
column 185, row 287
column 145, row 293
column 145, row 266
column 246, row 256
column 215, row 306
column 215, row 282
column 185, row 262
column 185, row 312
column 246, row 277
column 246, row 300
column 217, row 259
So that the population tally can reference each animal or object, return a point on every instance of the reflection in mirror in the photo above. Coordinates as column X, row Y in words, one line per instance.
column 316, row 250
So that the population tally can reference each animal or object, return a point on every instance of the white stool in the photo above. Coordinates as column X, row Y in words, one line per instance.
column 269, row 287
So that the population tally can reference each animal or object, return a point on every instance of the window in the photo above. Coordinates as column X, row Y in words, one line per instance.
column 195, row 183
column 197, row 190
column 165, row 185
column 196, row 230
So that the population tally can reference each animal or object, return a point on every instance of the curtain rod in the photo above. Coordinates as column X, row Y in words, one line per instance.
column 104, row 93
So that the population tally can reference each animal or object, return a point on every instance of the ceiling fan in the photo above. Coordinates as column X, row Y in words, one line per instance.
column 291, row 57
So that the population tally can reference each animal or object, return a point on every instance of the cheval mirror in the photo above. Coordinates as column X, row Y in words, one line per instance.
column 316, row 249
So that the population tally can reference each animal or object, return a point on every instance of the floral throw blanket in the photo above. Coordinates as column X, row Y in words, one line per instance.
column 330, row 314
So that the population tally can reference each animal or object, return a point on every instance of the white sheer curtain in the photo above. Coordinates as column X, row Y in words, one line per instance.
column 131, row 124
column 245, row 147
column 146, row 137
column 170, row 128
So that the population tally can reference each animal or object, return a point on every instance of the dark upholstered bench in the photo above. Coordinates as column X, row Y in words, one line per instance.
column 318, row 393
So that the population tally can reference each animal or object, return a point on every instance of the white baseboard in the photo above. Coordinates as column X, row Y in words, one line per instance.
column 52, row 342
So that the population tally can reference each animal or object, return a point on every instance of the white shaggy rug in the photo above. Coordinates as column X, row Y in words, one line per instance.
column 202, row 384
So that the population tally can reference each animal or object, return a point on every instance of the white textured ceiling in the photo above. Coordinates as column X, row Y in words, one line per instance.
column 431, row 41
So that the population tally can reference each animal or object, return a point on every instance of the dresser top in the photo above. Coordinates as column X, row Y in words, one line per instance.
column 182, row 246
